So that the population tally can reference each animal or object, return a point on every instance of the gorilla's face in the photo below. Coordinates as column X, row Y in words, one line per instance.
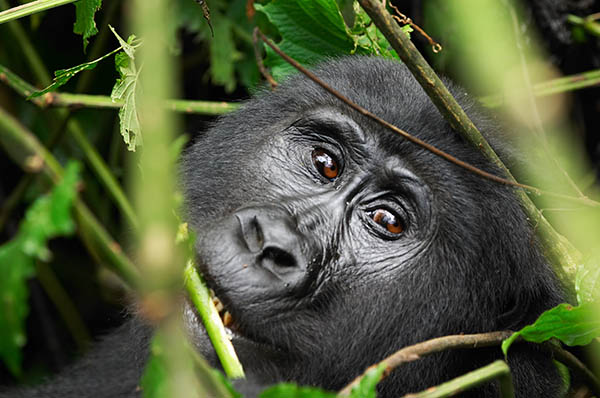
column 333, row 242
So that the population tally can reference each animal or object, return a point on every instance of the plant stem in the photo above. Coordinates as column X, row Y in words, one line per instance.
column 495, row 370
column 417, row 351
column 555, row 86
column 210, row 108
column 588, row 24
column 30, row 8
column 199, row 295
column 560, row 252
column 25, row 149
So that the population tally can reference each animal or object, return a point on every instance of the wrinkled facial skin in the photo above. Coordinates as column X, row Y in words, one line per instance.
column 333, row 242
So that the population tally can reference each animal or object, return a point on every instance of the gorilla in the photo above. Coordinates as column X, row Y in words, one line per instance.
column 334, row 242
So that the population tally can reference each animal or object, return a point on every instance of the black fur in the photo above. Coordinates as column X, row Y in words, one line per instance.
column 318, row 290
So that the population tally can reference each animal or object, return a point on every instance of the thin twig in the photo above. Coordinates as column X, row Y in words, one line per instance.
column 435, row 46
column 259, row 61
column 489, row 176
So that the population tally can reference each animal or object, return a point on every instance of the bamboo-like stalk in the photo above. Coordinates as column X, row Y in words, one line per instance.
column 198, row 293
column 496, row 370
column 30, row 8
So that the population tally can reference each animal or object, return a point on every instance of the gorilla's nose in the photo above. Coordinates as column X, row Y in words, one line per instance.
column 271, row 235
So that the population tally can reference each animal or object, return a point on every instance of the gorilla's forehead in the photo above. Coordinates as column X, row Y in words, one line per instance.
column 383, row 87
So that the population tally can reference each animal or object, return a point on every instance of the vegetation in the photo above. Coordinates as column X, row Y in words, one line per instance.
column 72, row 119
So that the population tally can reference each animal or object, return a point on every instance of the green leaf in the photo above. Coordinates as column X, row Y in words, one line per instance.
column 62, row 76
column 587, row 280
column 311, row 31
column 289, row 390
column 369, row 39
column 367, row 386
column 571, row 325
column 47, row 217
column 84, row 19
column 125, row 89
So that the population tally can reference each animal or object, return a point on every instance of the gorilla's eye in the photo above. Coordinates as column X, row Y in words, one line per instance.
column 325, row 163
column 388, row 220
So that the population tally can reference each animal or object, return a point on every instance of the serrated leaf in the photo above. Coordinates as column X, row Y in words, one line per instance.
column 125, row 89
column 311, row 31
column 368, row 384
column 587, row 281
column 571, row 325
column 84, row 19
column 290, row 390
column 47, row 217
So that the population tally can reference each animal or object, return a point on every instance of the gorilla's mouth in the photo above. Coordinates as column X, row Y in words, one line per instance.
column 224, row 314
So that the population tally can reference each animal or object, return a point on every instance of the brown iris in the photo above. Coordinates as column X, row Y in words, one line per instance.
column 387, row 220
column 325, row 163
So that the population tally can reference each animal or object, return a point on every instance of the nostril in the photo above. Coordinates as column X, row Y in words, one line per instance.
column 278, row 258
column 251, row 232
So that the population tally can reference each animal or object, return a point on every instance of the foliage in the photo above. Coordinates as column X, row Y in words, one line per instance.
column 48, row 217
column 572, row 325
column 312, row 31
column 84, row 22
column 125, row 89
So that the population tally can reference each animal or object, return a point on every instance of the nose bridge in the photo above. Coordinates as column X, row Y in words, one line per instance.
column 331, row 207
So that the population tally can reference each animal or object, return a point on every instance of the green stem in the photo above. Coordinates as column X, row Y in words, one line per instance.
column 495, row 370
column 555, row 86
column 25, row 149
column 28, row 50
column 210, row 108
column 588, row 24
column 30, row 8
column 199, row 295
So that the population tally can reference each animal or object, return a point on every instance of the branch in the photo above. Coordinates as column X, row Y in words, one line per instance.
column 560, row 252
column 25, row 149
column 100, row 101
column 30, row 8
column 439, row 344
